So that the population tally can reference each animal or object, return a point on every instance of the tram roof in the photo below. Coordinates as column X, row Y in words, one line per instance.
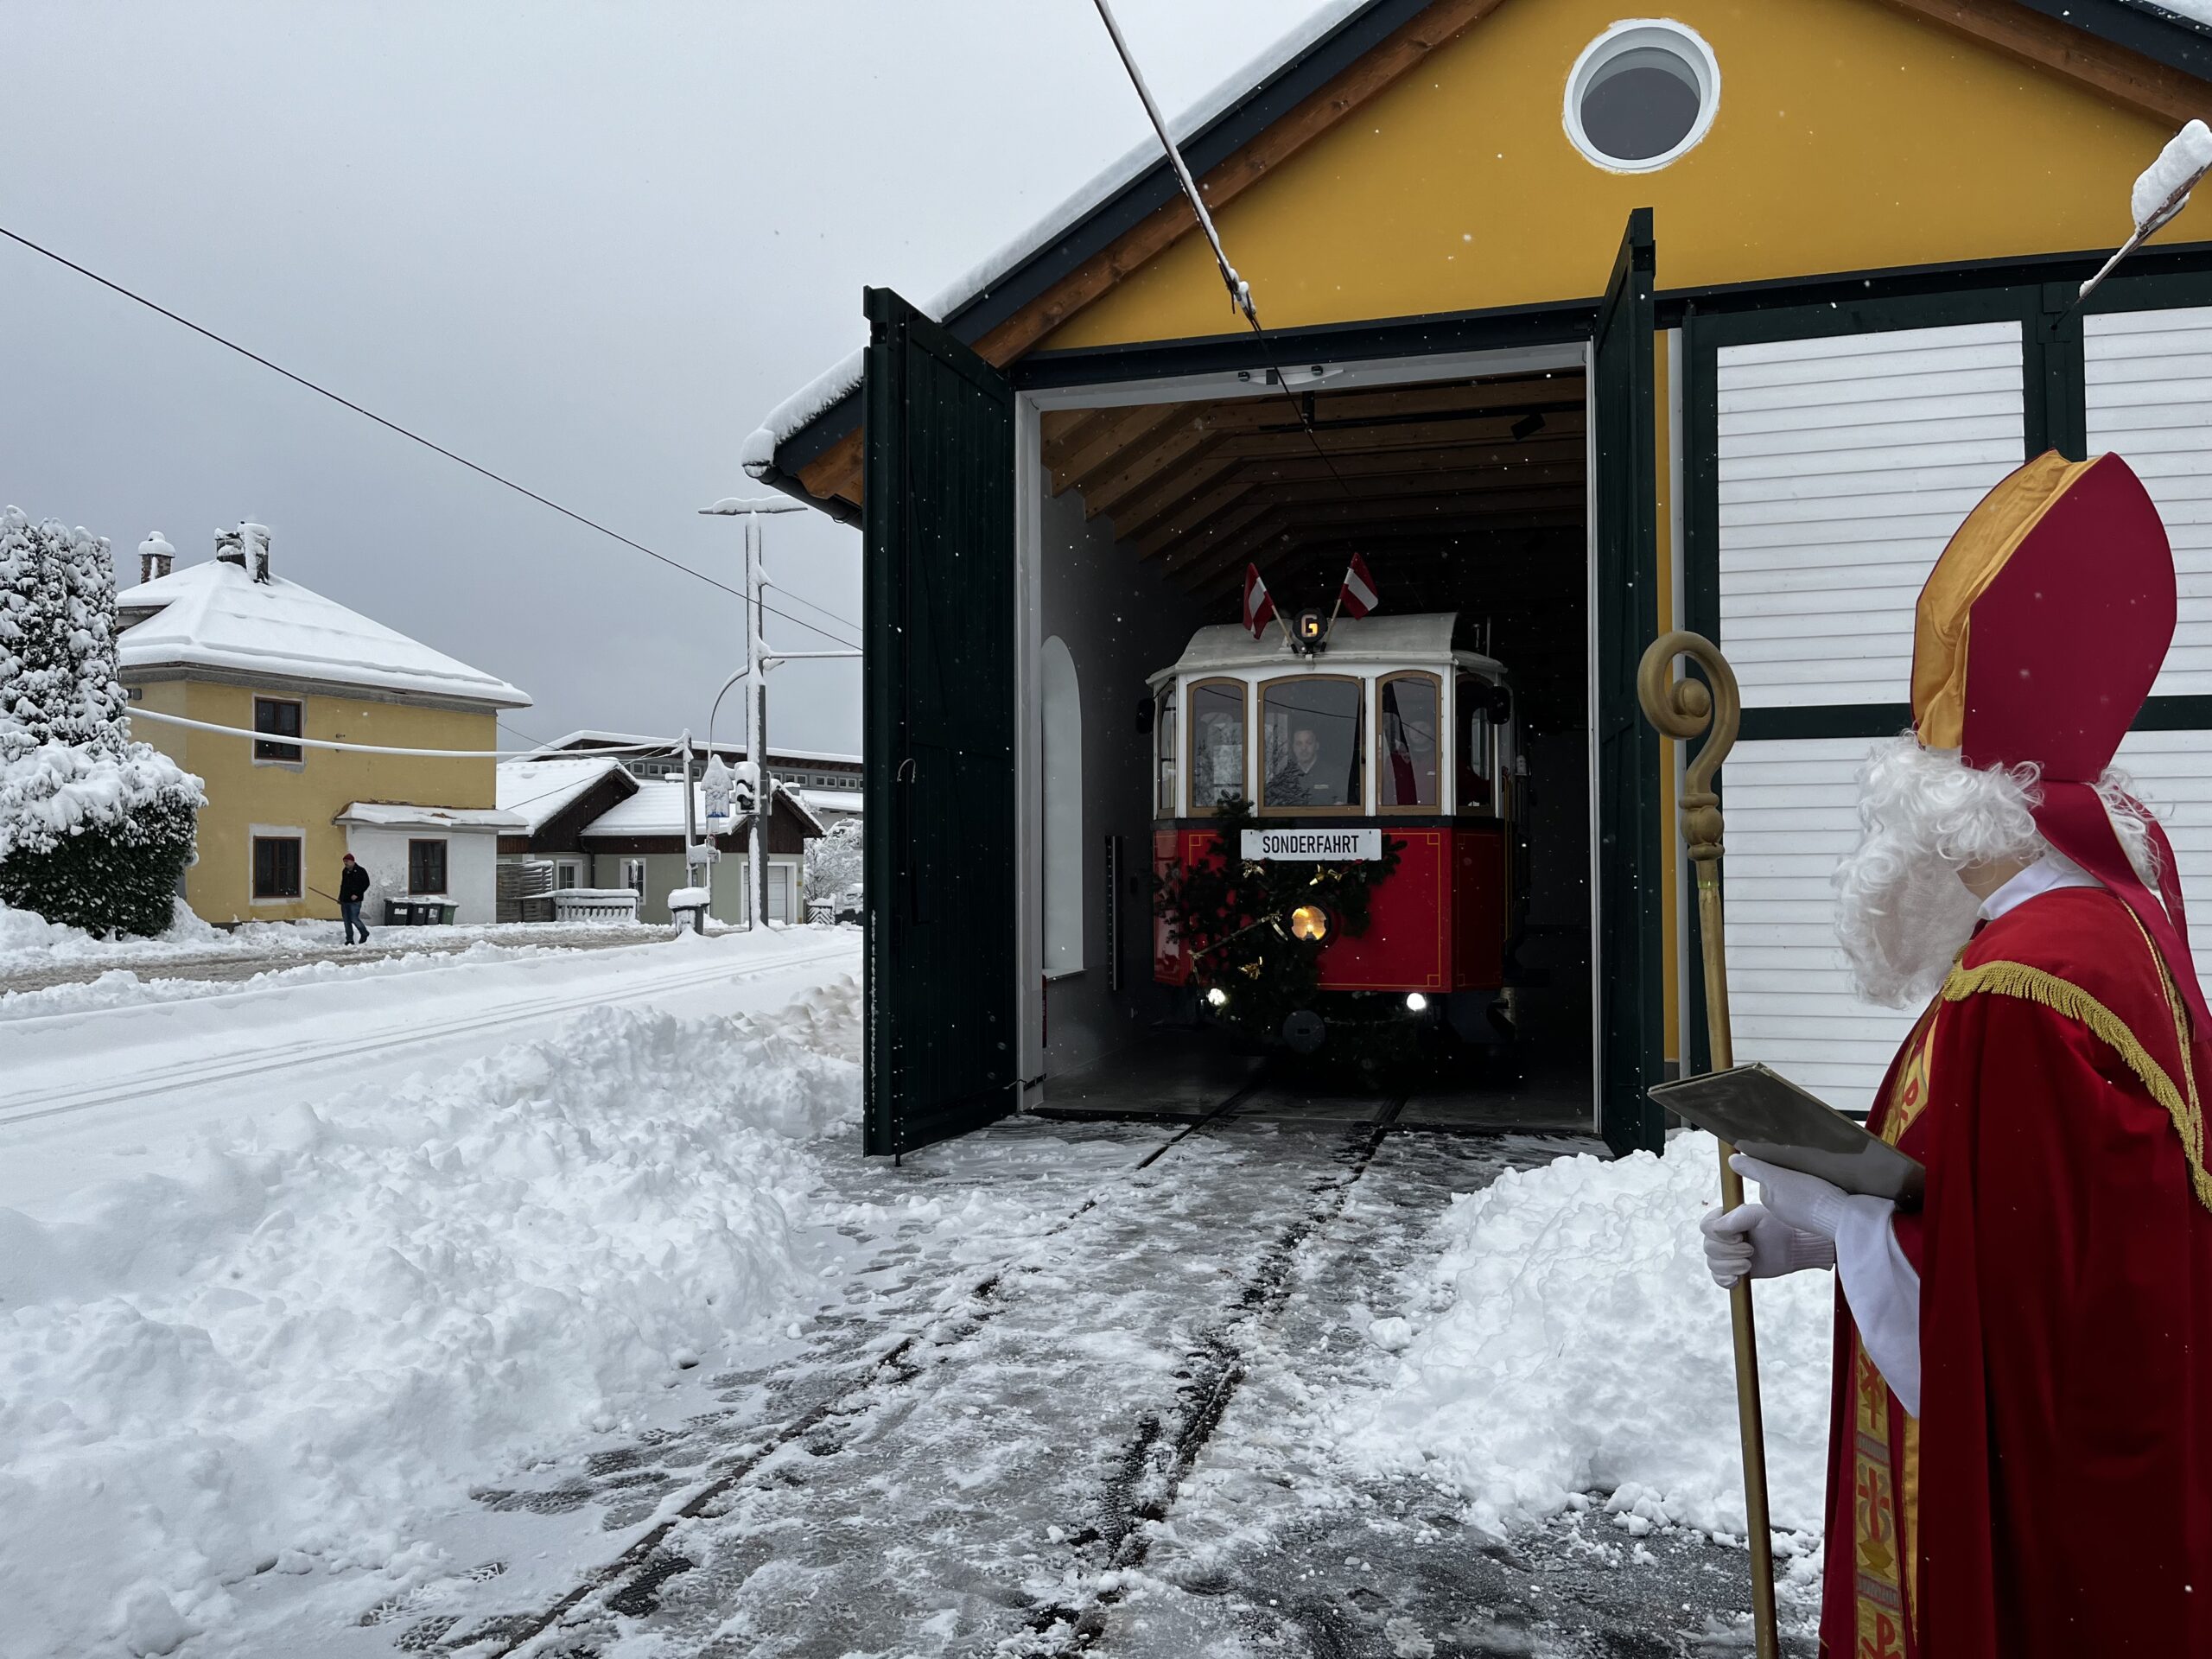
column 1421, row 641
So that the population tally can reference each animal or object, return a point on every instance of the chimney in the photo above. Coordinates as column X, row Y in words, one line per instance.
column 230, row 548
column 256, row 540
column 156, row 557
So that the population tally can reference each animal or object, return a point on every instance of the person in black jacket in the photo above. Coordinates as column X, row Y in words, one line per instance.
column 352, row 887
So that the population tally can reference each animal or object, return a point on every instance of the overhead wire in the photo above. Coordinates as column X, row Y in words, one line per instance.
column 417, row 438
column 1240, row 291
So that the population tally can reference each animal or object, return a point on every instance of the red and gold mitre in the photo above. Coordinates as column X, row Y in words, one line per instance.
column 2037, row 639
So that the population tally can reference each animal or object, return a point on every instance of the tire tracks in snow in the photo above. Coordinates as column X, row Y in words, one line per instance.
column 1158, row 1452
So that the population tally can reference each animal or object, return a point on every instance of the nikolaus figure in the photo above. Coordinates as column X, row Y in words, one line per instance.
column 2021, row 1445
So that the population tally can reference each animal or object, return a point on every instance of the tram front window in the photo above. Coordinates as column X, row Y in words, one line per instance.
column 1407, row 767
column 1163, row 727
column 1314, row 738
column 1216, row 743
column 1478, row 753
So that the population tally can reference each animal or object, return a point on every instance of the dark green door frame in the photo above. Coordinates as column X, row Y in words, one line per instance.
column 1629, row 949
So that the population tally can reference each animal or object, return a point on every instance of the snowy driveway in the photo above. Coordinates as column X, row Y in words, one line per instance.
column 1082, row 1422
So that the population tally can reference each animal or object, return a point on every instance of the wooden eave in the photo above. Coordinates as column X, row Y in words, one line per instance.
column 2130, row 52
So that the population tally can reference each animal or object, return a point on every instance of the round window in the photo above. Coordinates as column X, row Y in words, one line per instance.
column 1641, row 94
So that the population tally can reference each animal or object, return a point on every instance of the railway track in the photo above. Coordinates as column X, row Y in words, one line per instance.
column 1146, row 1459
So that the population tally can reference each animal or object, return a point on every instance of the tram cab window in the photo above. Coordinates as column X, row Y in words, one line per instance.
column 1217, row 758
column 1163, row 737
column 1408, row 758
column 1313, row 732
column 1477, row 746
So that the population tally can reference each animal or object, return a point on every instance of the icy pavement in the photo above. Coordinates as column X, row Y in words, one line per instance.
column 1075, row 1425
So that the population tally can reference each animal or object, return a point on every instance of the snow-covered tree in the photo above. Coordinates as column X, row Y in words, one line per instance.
column 833, row 861
column 94, row 828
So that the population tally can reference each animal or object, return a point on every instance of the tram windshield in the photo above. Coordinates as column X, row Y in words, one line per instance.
column 1312, row 730
column 1406, row 765
column 1216, row 743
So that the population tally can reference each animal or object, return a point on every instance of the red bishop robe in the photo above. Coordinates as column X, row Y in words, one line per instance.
column 2055, row 1495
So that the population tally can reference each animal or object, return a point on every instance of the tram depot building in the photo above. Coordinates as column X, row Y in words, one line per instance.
column 1720, row 319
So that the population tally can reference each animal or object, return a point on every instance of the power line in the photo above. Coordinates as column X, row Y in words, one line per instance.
column 411, row 437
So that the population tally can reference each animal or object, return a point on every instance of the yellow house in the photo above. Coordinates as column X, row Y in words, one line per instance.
column 231, row 645
column 1582, row 321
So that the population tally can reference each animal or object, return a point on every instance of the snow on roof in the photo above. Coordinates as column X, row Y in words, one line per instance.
column 388, row 814
column 818, row 395
column 657, row 810
column 538, row 790
column 1422, row 640
column 848, row 801
column 587, row 740
column 214, row 615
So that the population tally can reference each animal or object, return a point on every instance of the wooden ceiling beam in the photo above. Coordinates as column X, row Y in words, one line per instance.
column 1101, row 441
column 1142, row 471
column 1321, row 497
column 1226, row 569
column 1265, row 521
column 2128, row 78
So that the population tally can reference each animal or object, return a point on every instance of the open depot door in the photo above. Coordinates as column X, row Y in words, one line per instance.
column 1625, row 530
column 939, row 624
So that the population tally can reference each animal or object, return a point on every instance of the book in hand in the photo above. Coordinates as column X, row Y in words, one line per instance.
column 1768, row 1117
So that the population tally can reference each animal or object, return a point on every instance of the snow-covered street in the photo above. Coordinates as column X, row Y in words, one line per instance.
column 544, row 1304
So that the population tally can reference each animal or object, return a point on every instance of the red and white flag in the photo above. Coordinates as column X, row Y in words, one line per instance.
column 1357, row 595
column 1259, row 607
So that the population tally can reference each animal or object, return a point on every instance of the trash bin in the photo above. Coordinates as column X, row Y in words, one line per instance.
column 687, row 907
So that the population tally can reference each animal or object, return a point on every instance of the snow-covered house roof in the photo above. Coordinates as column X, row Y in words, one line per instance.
column 214, row 615
column 537, row 792
column 1070, row 240
column 390, row 815
column 590, row 738
column 657, row 809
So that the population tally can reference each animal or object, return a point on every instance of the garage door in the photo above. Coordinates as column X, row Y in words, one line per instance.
column 1844, row 464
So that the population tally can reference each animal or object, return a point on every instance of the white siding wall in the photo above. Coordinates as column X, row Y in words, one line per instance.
column 472, row 869
column 1845, row 465
column 2173, row 775
column 2150, row 399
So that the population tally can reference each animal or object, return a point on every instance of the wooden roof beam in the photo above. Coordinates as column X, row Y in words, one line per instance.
column 1100, row 442
column 2128, row 78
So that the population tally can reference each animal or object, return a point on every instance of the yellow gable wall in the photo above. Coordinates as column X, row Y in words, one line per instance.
column 242, row 793
column 1850, row 136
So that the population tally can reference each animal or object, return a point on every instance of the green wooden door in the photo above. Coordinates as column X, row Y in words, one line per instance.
column 1629, row 986
column 938, row 619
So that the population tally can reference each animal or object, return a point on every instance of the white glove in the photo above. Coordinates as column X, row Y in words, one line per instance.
column 1805, row 1202
column 1752, row 1239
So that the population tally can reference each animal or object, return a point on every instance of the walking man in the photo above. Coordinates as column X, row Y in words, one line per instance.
column 2019, row 1466
column 352, row 887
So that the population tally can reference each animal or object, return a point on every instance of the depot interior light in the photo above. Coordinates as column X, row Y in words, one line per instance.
column 1218, row 997
column 1415, row 1002
column 1309, row 922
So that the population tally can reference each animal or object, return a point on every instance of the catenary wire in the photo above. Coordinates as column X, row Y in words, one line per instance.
column 416, row 437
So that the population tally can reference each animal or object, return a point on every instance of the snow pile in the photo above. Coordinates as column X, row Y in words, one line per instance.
column 2184, row 159
column 283, row 1357
column 1577, row 1344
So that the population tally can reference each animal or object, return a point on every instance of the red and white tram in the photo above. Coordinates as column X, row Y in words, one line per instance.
column 1391, row 729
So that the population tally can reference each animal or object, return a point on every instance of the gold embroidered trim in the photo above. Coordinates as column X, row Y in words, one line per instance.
column 2016, row 979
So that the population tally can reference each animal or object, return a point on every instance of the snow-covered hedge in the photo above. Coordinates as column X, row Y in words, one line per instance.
column 94, row 828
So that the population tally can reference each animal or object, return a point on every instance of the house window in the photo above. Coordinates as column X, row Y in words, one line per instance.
column 633, row 875
column 1642, row 95
column 426, row 867
column 568, row 874
column 279, row 716
column 276, row 867
column 1311, row 729
column 1163, row 728
column 1407, row 758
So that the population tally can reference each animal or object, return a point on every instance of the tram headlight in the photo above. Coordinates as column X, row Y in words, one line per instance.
column 1218, row 998
column 1415, row 1003
column 1310, row 923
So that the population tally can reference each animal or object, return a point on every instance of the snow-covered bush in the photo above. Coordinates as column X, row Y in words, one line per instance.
column 833, row 861
column 94, row 828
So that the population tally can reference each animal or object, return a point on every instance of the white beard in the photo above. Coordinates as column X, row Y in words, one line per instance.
column 1901, row 915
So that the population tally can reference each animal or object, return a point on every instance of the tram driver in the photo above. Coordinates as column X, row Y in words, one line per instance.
column 1305, row 781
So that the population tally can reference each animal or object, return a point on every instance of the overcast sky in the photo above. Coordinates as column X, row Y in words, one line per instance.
column 586, row 245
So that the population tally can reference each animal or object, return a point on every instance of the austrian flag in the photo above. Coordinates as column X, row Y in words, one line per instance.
column 1357, row 595
column 1259, row 608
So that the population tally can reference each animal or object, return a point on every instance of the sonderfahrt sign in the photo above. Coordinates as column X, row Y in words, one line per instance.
column 1314, row 846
